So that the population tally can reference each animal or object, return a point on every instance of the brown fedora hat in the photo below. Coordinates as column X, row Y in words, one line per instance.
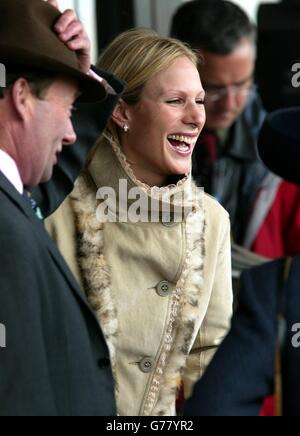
column 28, row 39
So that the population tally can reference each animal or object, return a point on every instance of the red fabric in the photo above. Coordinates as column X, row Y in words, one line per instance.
column 208, row 154
column 210, row 141
column 280, row 233
column 180, row 400
column 268, row 408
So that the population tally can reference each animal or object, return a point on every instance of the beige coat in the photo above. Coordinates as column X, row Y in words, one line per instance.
column 162, row 292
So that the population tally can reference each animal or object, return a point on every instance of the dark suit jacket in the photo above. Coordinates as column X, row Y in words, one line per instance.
column 56, row 361
column 242, row 371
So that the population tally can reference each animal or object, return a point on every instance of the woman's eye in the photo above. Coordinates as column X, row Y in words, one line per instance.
column 200, row 102
column 175, row 101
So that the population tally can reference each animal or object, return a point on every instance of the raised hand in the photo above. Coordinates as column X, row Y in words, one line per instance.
column 71, row 31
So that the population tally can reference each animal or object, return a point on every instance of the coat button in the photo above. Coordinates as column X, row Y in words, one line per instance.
column 164, row 289
column 169, row 223
column 147, row 365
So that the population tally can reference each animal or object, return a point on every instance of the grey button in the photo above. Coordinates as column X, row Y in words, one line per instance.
column 169, row 223
column 147, row 365
column 164, row 288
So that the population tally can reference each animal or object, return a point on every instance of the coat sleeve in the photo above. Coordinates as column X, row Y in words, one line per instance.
column 242, row 371
column 24, row 372
column 216, row 322
column 89, row 122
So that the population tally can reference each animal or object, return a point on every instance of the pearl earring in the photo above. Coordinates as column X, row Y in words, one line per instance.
column 126, row 128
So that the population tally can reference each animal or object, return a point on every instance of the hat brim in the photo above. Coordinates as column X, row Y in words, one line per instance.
column 279, row 143
column 91, row 90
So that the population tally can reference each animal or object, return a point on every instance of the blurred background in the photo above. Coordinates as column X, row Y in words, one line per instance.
column 116, row 15
column 278, row 35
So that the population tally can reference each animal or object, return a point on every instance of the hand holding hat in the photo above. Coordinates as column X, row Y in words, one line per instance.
column 30, row 40
column 72, row 33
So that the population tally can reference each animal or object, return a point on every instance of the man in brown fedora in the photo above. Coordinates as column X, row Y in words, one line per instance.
column 55, row 360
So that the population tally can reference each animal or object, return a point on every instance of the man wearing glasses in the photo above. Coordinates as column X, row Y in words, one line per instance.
column 225, row 161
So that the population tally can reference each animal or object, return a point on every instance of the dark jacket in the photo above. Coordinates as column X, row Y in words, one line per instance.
column 237, row 172
column 242, row 372
column 56, row 361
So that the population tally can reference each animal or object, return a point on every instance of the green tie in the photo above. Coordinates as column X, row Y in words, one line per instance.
column 33, row 205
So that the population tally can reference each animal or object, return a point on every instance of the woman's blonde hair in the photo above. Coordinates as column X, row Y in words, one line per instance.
column 137, row 55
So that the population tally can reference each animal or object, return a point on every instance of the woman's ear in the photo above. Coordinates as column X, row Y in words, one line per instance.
column 120, row 115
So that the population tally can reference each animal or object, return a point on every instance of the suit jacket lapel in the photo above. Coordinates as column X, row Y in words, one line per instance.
column 60, row 262
column 15, row 196
column 39, row 228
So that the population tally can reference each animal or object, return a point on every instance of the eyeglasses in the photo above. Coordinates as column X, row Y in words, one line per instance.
column 215, row 94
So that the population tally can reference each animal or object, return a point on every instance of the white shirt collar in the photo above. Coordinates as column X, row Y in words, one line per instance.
column 9, row 168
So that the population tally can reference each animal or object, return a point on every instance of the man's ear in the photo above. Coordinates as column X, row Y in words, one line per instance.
column 121, row 115
column 22, row 98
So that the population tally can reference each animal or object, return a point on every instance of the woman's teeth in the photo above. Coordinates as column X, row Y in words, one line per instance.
column 182, row 144
column 182, row 139
column 182, row 147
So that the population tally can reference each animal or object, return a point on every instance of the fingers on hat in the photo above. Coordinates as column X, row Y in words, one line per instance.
column 65, row 20
column 75, row 29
